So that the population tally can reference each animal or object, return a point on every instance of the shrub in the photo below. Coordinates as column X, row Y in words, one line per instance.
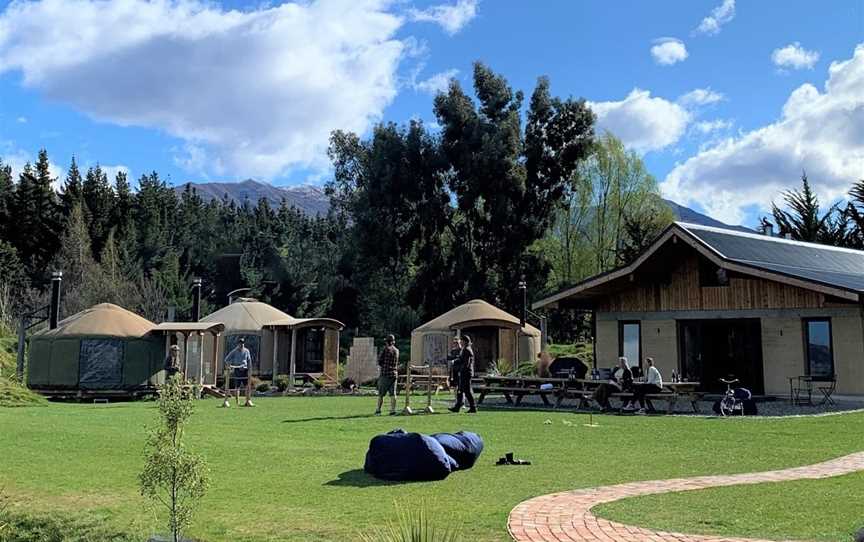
column 415, row 525
column 58, row 527
column 318, row 383
column 283, row 382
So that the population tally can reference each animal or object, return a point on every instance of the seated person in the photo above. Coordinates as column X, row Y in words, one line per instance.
column 622, row 380
column 653, row 384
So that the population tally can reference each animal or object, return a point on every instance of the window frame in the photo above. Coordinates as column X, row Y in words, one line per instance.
column 621, row 325
column 806, row 336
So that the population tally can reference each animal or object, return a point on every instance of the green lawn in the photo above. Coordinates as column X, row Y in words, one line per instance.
column 828, row 510
column 290, row 468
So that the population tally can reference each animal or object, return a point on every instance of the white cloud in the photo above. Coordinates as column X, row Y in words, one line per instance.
column 21, row 120
column 795, row 57
column 710, row 126
column 437, row 83
column 642, row 122
column 700, row 96
column 258, row 91
column 821, row 132
column 720, row 15
column 451, row 17
column 668, row 51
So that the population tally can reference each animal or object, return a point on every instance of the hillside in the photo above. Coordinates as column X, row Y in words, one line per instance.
column 11, row 393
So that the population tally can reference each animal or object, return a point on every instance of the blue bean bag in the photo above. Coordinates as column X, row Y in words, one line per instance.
column 402, row 456
column 464, row 447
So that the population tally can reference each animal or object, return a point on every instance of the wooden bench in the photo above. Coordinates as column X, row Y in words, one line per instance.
column 671, row 397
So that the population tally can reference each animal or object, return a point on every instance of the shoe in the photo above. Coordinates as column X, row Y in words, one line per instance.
column 455, row 409
column 392, row 413
column 472, row 410
column 377, row 412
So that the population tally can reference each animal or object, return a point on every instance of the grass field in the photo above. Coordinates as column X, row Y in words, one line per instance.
column 828, row 510
column 290, row 469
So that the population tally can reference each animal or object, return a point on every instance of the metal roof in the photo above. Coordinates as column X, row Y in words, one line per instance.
column 833, row 270
column 839, row 267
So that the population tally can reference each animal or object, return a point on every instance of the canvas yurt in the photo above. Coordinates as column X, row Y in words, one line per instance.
column 495, row 335
column 271, row 334
column 101, row 349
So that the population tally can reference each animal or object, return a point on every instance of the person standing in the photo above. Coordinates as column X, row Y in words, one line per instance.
column 452, row 358
column 388, row 371
column 172, row 362
column 464, row 369
column 240, row 360
column 653, row 384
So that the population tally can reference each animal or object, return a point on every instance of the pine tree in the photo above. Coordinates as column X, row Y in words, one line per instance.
column 99, row 199
column 82, row 281
column 7, row 201
column 72, row 189
column 36, row 223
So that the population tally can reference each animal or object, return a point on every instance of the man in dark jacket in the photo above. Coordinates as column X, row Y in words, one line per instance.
column 452, row 359
column 464, row 369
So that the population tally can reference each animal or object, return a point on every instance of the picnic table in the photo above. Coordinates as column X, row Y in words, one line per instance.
column 514, row 388
column 672, row 393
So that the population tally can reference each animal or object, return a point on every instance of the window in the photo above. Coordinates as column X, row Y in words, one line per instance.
column 630, row 342
column 820, row 356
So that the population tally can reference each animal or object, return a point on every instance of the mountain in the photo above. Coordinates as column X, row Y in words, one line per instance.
column 313, row 201
column 686, row 214
column 310, row 199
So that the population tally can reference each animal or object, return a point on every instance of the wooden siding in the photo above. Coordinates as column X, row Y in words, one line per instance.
column 682, row 292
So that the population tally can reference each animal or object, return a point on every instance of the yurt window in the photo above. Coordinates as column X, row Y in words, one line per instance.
column 100, row 363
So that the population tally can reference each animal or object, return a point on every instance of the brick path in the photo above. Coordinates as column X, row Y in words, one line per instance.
column 567, row 517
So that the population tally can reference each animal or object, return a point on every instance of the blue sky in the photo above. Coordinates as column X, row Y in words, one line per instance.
column 727, row 101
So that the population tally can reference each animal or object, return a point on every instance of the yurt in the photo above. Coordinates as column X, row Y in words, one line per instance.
column 245, row 318
column 495, row 335
column 276, row 339
column 101, row 349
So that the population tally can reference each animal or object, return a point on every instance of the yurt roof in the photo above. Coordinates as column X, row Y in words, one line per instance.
column 475, row 313
column 103, row 320
column 246, row 315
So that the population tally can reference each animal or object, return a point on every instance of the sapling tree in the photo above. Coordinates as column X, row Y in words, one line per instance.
column 173, row 477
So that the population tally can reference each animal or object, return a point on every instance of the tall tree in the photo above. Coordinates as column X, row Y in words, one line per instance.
column 507, row 184
column 804, row 220
column 36, row 226
column 72, row 192
column 99, row 199
column 7, row 200
column 610, row 212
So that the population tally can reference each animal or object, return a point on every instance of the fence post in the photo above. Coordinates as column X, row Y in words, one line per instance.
column 22, row 336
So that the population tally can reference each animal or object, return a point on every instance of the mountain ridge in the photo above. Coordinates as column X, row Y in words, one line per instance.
column 313, row 201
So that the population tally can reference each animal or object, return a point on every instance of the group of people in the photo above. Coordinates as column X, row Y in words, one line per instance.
column 622, row 381
column 460, row 359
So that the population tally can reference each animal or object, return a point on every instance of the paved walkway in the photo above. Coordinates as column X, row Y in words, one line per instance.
column 567, row 517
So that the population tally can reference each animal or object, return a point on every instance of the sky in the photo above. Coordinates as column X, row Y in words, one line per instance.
column 727, row 102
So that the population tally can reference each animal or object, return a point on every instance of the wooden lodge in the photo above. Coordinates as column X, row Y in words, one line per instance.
column 709, row 302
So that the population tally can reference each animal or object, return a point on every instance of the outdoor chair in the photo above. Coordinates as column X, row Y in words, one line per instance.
column 806, row 385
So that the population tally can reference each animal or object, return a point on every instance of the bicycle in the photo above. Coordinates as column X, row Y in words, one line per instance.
column 730, row 404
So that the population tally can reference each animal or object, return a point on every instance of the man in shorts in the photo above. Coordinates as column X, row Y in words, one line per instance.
column 388, row 370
